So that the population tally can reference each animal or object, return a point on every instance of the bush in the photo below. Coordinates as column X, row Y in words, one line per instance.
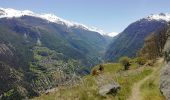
column 101, row 68
column 18, row 93
column 125, row 61
column 141, row 60
column 95, row 72
column 167, row 56
column 43, row 53
column 150, row 62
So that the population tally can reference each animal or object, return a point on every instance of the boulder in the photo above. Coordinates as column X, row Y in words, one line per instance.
column 165, row 72
column 111, row 88
column 165, row 81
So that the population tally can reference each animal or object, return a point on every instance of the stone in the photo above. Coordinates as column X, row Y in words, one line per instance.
column 165, row 81
column 111, row 88
column 165, row 72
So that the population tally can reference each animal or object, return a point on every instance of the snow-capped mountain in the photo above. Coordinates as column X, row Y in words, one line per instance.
column 22, row 33
column 10, row 13
column 70, row 38
column 158, row 17
column 161, row 16
column 112, row 34
column 132, row 38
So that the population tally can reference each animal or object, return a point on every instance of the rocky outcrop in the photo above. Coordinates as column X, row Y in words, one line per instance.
column 165, row 81
column 109, row 89
column 165, row 73
column 107, row 85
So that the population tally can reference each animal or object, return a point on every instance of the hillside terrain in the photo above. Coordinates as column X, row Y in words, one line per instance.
column 131, row 40
column 139, row 77
column 41, row 51
column 89, row 89
column 148, row 88
column 44, row 57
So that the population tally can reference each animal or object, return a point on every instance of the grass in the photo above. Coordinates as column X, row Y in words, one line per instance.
column 88, row 90
column 128, row 81
column 150, row 89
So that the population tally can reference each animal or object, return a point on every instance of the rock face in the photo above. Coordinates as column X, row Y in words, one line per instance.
column 165, row 81
column 165, row 73
column 109, row 89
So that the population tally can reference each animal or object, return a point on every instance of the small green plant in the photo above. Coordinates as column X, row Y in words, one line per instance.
column 125, row 61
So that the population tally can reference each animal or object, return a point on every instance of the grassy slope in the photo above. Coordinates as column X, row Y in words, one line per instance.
column 150, row 88
column 88, row 90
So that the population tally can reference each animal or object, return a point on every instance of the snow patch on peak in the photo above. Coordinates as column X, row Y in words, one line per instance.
column 10, row 13
column 161, row 16
column 53, row 18
column 96, row 30
column 112, row 34
column 14, row 13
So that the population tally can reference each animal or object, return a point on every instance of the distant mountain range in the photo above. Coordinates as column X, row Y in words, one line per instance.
column 78, row 37
column 132, row 38
column 41, row 51
column 10, row 13
column 35, row 46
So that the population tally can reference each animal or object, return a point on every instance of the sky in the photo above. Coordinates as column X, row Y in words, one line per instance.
column 107, row 15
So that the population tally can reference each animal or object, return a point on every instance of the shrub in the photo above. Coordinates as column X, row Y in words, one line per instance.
column 167, row 56
column 125, row 61
column 101, row 68
column 150, row 62
column 95, row 72
column 43, row 53
column 19, row 93
column 141, row 60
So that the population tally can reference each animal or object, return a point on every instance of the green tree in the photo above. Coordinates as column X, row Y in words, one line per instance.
column 125, row 61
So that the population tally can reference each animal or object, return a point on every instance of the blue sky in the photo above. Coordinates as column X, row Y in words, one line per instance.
column 108, row 15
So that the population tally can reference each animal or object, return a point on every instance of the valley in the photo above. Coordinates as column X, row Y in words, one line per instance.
column 45, row 57
column 130, row 82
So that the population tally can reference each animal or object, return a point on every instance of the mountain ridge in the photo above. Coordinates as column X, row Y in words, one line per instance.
column 132, row 38
column 9, row 13
column 41, row 54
